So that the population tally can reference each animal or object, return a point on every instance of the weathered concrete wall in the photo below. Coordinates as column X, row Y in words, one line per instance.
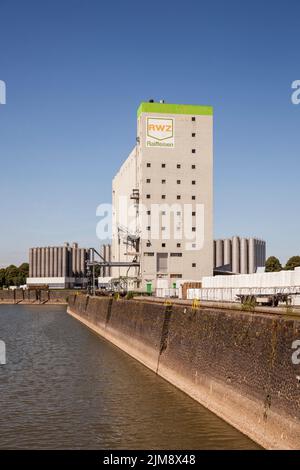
column 34, row 296
column 237, row 364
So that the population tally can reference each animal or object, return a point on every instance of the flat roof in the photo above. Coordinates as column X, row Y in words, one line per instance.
column 167, row 108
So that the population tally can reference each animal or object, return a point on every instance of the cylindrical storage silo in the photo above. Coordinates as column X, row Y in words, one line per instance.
column 264, row 253
column 78, row 261
column 259, row 253
column 74, row 259
column 256, row 253
column 251, row 255
column 46, row 266
column 259, row 262
column 81, row 261
column 84, row 262
column 55, row 262
column 227, row 254
column 64, row 261
column 69, row 258
column 244, row 255
column 42, row 262
column 34, row 262
column 51, row 262
column 236, row 255
column 219, row 253
column 59, row 258
column 38, row 262
column 47, row 258
column 30, row 261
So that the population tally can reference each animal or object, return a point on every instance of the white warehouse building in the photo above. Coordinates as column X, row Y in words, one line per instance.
column 227, row 288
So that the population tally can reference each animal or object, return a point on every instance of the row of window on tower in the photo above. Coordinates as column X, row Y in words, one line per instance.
column 178, row 213
column 163, row 165
column 164, row 228
column 163, row 196
column 148, row 180
column 164, row 245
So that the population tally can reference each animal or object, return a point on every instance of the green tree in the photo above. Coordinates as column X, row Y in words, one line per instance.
column 12, row 275
column 273, row 265
column 24, row 267
column 2, row 277
column 23, row 273
column 292, row 263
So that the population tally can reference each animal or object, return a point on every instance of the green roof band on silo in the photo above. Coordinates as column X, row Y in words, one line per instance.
column 167, row 108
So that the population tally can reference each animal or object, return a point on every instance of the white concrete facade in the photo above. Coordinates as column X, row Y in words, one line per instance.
column 171, row 170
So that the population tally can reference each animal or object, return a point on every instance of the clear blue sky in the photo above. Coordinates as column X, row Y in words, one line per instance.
column 75, row 74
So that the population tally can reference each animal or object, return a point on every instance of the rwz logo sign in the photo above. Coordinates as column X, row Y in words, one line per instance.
column 160, row 132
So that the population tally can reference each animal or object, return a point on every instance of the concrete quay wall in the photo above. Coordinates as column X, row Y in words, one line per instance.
column 35, row 296
column 237, row 364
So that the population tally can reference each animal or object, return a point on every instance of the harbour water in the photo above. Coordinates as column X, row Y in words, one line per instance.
column 65, row 388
